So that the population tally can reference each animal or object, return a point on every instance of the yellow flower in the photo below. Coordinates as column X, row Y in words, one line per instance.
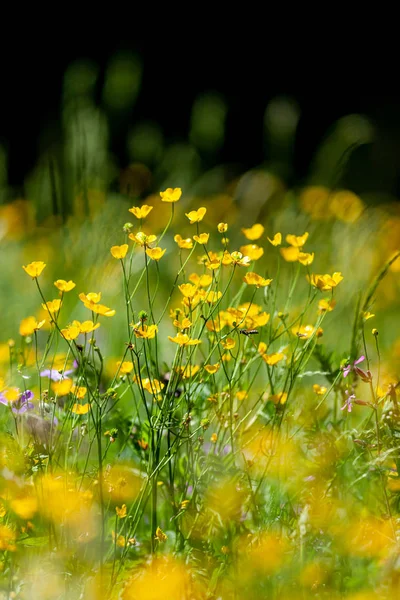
column 29, row 325
column 226, row 258
column 257, row 280
column 303, row 331
column 64, row 286
column 52, row 306
column 325, row 282
column 262, row 347
column 290, row 254
column 125, row 367
column 100, row 309
column 81, row 409
column 142, row 212
column 195, row 216
column 212, row 368
column 143, row 331
column 241, row 395
column 202, row 238
column 214, row 438
column 183, row 340
column 34, row 268
column 119, row 251
column 185, row 323
column 91, row 297
column 252, row 251
column 160, row 535
column 155, row 253
column 320, row 390
column 171, row 195
column 273, row 359
column 25, row 507
column 121, row 512
column 279, row 398
column 297, row 241
column 189, row 371
column 187, row 289
column 192, row 302
column 200, row 280
column 258, row 320
column 213, row 297
column 63, row 387
column 276, row 240
column 326, row 305
column 367, row 315
column 142, row 239
column 346, row 206
column 240, row 260
column 71, row 332
column 86, row 326
column 305, row 259
column 222, row 227
column 229, row 343
column 183, row 243
column 79, row 391
column 11, row 394
column 254, row 232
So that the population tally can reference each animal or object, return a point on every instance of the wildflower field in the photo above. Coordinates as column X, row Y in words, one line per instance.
column 199, row 389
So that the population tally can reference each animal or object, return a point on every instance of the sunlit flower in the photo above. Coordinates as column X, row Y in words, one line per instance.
column 121, row 512
column 303, row 331
column 187, row 289
column 226, row 259
column 326, row 305
column 325, row 282
column 212, row 297
column 229, row 343
column 195, row 216
column 348, row 403
column 160, row 535
column 367, row 315
column 91, row 300
column 201, row 280
column 119, row 251
column 142, row 239
column 62, row 387
column 79, row 391
column 142, row 212
column 276, row 240
column 189, row 371
column 171, row 195
column 214, row 438
column 346, row 206
column 125, row 367
column 143, row 331
column 279, row 398
column 320, row 390
column 273, row 359
column 71, row 332
column 86, row 326
column 222, row 227
column 80, row 409
column 305, row 259
column 254, row 279
column 35, row 268
column 52, row 306
column 155, row 253
column 91, row 297
column 202, row 238
column 254, row 232
column 241, row 395
column 183, row 243
column 64, row 286
column 290, row 254
column 262, row 348
column 184, row 323
column 153, row 386
column 297, row 241
column 212, row 368
column 183, row 340
column 351, row 366
column 29, row 325
column 252, row 251
column 240, row 260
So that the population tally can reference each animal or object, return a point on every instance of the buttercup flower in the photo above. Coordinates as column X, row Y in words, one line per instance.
column 297, row 241
column 240, row 260
column 305, row 259
column 119, row 251
column 202, row 238
column 195, row 216
column 142, row 239
column 29, row 325
column 64, row 286
column 143, row 331
column 86, row 326
column 212, row 297
column 155, row 253
column 257, row 280
column 254, row 232
column 35, row 268
column 276, row 240
column 279, row 398
column 273, row 359
column 290, row 254
column 326, row 305
column 253, row 251
column 52, row 306
column 91, row 297
column 320, row 390
column 125, row 367
column 229, row 343
column 222, row 227
column 79, row 391
column 71, row 332
column 160, row 535
column 80, row 409
column 142, row 212
column 212, row 368
column 183, row 243
column 91, row 300
column 171, row 195
column 325, row 282
column 200, row 280
column 62, row 387
column 183, row 340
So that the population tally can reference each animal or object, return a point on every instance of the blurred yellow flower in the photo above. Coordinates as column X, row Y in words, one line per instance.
column 63, row 387
column 252, row 251
column 125, row 367
column 325, row 282
column 201, row 280
column 185, row 323
column 254, row 232
column 171, row 195
column 212, row 368
column 195, row 216
column 91, row 300
column 346, row 206
column 240, row 260
column 241, row 395
column 52, row 306
column 119, row 251
column 214, row 438
column 91, row 297
column 273, row 359
column 279, row 398
column 183, row 340
column 183, row 243
column 303, row 331
column 79, row 391
column 189, row 371
column 142, row 212
column 290, row 254
column 160, row 535
column 64, row 286
column 7, row 539
column 326, row 305
column 143, row 331
column 229, row 343
column 142, row 239
column 367, row 315
column 121, row 512
column 276, row 240
column 202, row 238
column 213, row 297
column 155, row 253
column 34, row 268
column 80, row 409
column 71, row 332
column 320, row 390
column 222, row 227
column 187, row 289
column 305, row 259
column 254, row 279
column 86, row 326
column 25, row 506
column 29, row 325
column 297, row 241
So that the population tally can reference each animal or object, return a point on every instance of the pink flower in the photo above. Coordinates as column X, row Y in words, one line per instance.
column 349, row 401
column 351, row 367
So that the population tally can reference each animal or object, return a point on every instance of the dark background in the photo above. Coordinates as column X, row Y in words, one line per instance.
column 173, row 75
